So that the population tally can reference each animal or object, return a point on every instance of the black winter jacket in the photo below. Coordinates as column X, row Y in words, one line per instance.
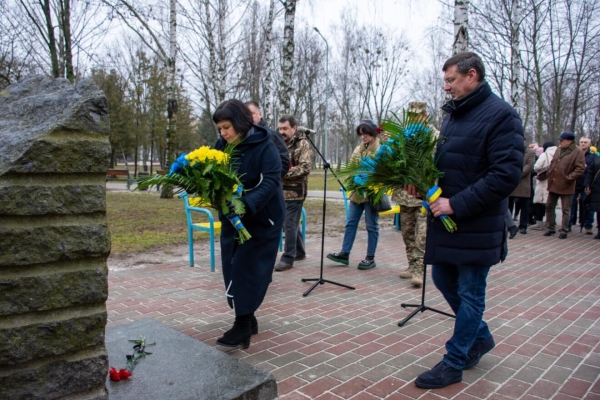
column 592, row 180
column 281, row 147
column 481, row 155
column 589, row 159
column 248, row 267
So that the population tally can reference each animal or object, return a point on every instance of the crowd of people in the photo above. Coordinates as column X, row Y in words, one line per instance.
column 552, row 172
column 489, row 175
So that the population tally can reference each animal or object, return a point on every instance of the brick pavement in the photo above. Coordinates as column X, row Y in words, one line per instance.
column 543, row 308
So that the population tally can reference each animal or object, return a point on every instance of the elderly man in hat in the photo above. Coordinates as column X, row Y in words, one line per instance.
column 413, row 221
column 567, row 165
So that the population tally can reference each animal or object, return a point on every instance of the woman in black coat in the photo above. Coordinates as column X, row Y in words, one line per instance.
column 248, row 267
column 592, row 189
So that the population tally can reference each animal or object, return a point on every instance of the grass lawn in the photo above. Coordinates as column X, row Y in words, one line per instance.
column 316, row 180
column 140, row 221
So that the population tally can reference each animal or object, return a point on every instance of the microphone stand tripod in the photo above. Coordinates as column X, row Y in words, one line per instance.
column 320, row 280
column 421, row 307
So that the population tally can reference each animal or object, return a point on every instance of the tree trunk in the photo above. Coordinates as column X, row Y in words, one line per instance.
column 65, row 26
column 461, row 26
column 51, row 39
column 167, row 190
column 223, row 34
column 266, row 99
column 287, row 66
column 515, row 55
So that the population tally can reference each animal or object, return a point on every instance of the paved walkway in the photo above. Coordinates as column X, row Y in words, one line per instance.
column 543, row 308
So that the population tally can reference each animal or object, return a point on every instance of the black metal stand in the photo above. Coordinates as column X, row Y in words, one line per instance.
column 320, row 280
column 421, row 307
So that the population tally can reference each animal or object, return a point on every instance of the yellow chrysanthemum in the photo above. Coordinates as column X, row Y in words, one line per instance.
column 205, row 153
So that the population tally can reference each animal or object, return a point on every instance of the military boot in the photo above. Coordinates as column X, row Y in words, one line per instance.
column 417, row 277
column 407, row 274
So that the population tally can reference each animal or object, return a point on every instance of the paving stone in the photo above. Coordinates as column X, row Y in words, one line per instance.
column 379, row 373
column 344, row 360
column 529, row 374
column 317, row 372
column 557, row 374
column 292, row 369
column 546, row 325
column 587, row 373
column 499, row 374
column 286, row 358
column 543, row 361
column 569, row 361
column 515, row 361
column 348, row 372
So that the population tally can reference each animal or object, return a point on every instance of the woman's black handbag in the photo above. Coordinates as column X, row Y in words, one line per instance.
column 543, row 174
column 384, row 204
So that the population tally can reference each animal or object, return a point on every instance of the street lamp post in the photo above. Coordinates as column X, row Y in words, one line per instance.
column 326, row 136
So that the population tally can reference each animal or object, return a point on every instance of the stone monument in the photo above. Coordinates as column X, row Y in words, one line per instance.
column 54, row 240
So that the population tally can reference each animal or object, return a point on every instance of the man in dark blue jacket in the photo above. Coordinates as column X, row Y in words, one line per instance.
column 481, row 155
column 257, row 119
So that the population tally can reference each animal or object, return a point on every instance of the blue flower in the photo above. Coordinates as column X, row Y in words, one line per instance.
column 360, row 179
column 179, row 164
column 412, row 129
column 383, row 151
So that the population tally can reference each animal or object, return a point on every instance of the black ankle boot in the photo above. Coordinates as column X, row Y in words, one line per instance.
column 254, row 325
column 239, row 334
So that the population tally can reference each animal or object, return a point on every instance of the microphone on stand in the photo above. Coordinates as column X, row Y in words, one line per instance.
column 306, row 131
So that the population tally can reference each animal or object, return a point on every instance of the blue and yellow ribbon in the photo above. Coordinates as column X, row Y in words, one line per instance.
column 237, row 191
column 432, row 195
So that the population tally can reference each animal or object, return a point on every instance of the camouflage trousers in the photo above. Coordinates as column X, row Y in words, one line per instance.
column 414, row 233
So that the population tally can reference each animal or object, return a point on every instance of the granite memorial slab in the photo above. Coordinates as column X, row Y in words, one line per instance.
column 181, row 367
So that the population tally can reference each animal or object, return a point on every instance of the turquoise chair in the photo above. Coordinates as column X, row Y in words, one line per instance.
column 211, row 227
column 395, row 211
column 303, row 222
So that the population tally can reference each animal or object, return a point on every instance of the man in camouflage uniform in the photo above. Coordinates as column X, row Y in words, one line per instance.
column 295, row 185
column 413, row 221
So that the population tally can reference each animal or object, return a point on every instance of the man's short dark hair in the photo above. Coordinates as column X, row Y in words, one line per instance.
column 237, row 113
column 465, row 62
column 253, row 103
column 289, row 118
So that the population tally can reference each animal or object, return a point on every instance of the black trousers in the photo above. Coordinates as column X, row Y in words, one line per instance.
column 523, row 204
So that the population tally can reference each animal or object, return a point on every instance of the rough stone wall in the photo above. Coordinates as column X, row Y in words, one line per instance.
column 54, row 240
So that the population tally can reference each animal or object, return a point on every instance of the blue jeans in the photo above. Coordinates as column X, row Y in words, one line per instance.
column 464, row 290
column 371, row 220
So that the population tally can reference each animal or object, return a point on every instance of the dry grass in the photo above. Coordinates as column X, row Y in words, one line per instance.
column 142, row 221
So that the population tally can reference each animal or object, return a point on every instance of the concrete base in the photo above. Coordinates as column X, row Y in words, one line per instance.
column 181, row 367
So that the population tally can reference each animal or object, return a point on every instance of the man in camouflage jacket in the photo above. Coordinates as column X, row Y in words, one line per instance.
column 413, row 221
column 295, row 184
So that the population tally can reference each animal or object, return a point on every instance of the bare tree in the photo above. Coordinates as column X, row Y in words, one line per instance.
column 381, row 62
column 515, row 54
column 287, row 66
column 461, row 26
column 269, row 63
column 428, row 86
column 63, row 29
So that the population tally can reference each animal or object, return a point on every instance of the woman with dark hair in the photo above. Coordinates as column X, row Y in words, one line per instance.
column 541, row 186
column 367, row 131
column 248, row 267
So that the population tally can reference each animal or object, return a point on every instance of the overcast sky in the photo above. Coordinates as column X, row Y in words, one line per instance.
column 412, row 17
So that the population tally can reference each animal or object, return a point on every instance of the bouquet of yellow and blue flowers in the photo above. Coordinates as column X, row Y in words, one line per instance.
column 209, row 175
column 405, row 158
